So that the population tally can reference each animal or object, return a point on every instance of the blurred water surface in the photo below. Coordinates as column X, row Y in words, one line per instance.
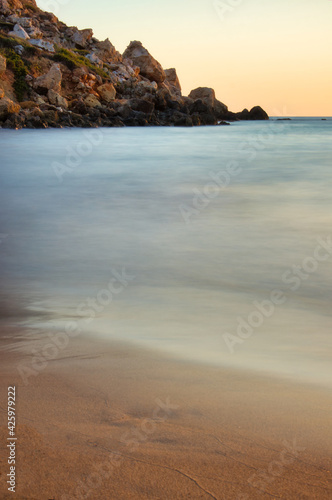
column 134, row 199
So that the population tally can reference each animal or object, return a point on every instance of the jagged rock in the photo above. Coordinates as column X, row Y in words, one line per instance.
column 107, row 52
column 7, row 107
column 107, row 92
column 25, row 22
column 2, row 93
column 3, row 65
column 95, row 59
column 82, row 37
column 149, row 67
column 56, row 99
column 50, row 81
column 92, row 102
column 19, row 32
column 173, row 80
column 43, row 44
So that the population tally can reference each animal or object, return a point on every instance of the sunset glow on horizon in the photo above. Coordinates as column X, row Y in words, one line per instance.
column 272, row 54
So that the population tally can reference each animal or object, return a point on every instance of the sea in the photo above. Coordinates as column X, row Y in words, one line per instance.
column 212, row 245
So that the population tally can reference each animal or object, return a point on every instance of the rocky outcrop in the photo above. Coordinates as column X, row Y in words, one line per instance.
column 256, row 113
column 50, row 81
column 149, row 67
column 172, row 81
column 205, row 102
column 52, row 75
column 82, row 37
column 107, row 52
column 205, row 94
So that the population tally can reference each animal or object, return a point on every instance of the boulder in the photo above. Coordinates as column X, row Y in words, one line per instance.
column 107, row 52
column 19, row 32
column 50, row 81
column 2, row 93
column 42, row 44
column 173, row 80
column 56, row 99
column 92, row 102
column 257, row 113
column 206, row 94
column 149, row 67
column 107, row 92
column 8, row 107
column 82, row 37
column 208, row 97
column 3, row 65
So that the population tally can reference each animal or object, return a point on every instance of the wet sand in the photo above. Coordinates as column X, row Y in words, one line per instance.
column 106, row 421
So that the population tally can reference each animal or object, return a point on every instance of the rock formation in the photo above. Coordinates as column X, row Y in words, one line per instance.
column 149, row 67
column 54, row 75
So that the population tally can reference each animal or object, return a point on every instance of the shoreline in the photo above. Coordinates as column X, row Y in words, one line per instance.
column 104, row 411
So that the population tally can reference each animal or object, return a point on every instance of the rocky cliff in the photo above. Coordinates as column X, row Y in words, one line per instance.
column 54, row 75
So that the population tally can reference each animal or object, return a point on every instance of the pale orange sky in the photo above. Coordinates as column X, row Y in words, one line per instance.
column 275, row 53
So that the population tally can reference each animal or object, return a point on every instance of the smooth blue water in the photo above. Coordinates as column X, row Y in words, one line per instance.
column 133, row 199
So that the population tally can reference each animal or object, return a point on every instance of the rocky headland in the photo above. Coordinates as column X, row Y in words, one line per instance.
column 53, row 75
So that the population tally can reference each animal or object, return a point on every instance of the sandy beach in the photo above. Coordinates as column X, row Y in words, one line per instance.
column 108, row 421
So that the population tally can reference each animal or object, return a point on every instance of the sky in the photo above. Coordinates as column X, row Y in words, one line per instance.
column 272, row 53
